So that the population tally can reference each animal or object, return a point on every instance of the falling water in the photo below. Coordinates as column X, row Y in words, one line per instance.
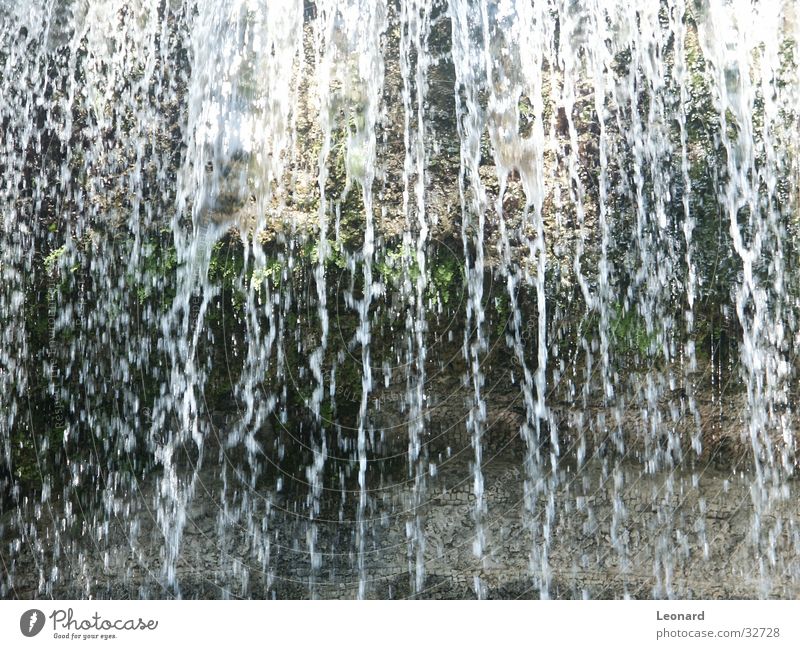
column 414, row 298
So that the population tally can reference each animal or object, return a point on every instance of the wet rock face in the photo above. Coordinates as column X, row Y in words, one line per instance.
column 228, row 191
column 594, row 552
column 397, row 299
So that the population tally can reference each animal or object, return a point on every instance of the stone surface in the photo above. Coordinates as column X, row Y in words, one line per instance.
column 680, row 535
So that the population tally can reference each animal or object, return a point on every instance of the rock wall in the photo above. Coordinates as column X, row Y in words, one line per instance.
column 607, row 535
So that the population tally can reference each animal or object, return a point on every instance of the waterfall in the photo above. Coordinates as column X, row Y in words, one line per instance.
column 399, row 298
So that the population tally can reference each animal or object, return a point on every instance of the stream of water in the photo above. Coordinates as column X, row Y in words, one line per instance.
column 399, row 298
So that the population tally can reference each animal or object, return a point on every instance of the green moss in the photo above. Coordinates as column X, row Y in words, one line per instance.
column 629, row 332
column 446, row 277
column 51, row 260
